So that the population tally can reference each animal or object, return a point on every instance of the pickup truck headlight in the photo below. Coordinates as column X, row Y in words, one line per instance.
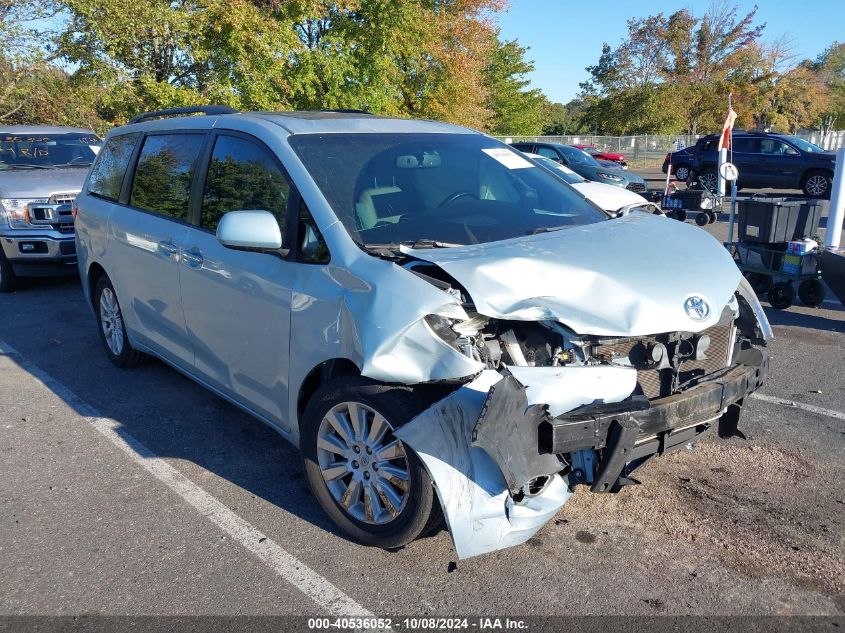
column 14, row 211
column 606, row 176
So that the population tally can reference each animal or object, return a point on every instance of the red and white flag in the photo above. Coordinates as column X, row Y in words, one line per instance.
column 725, row 138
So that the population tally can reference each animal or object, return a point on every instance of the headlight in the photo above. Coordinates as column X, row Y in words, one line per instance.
column 14, row 210
column 606, row 176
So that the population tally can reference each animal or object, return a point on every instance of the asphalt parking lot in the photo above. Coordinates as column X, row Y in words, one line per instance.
column 138, row 492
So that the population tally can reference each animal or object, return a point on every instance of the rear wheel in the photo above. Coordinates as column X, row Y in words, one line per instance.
column 702, row 219
column 112, row 327
column 8, row 279
column 818, row 184
column 682, row 172
column 811, row 293
column 368, row 482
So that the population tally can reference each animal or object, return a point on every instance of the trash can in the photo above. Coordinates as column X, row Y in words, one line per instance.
column 777, row 220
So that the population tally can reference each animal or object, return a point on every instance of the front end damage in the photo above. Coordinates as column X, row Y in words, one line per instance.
column 554, row 409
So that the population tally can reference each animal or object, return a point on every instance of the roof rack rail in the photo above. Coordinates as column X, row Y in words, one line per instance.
column 346, row 111
column 207, row 110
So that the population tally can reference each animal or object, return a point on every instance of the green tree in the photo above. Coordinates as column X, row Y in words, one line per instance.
column 516, row 110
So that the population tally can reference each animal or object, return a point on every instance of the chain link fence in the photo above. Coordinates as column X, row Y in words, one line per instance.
column 649, row 150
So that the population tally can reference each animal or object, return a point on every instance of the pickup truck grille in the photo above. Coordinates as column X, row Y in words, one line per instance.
column 62, row 198
column 64, row 227
column 657, row 383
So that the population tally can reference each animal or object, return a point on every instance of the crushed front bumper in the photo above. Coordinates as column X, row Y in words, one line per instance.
column 503, row 467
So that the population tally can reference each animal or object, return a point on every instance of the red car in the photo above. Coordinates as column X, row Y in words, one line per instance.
column 595, row 152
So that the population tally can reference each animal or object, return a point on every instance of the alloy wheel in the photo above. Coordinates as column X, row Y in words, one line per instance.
column 817, row 185
column 363, row 465
column 682, row 173
column 709, row 180
column 111, row 321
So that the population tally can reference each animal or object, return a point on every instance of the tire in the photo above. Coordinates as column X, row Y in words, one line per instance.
column 680, row 215
column 781, row 295
column 702, row 219
column 709, row 180
column 8, row 279
column 372, row 516
column 759, row 282
column 682, row 173
column 811, row 293
column 112, row 328
column 818, row 184
column 711, row 217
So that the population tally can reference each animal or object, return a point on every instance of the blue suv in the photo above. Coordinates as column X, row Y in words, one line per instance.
column 764, row 160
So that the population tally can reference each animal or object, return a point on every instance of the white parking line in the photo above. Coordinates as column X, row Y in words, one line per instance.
column 291, row 569
column 839, row 415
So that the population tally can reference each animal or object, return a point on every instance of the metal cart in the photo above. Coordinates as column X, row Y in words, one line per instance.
column 679, row 203
column 775, row 272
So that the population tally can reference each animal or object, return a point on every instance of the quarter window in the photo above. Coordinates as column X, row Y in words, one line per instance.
column 107, row 174
column 242, row 175
column 163, row 176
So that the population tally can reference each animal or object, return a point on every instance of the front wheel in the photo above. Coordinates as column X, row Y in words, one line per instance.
column 368, row 482
column 818, row 184
column 781, row 295
column 709, row 180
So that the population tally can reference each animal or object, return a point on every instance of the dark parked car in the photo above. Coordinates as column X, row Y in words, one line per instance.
column 681, row 161
column 584, row 165
column 767, row 161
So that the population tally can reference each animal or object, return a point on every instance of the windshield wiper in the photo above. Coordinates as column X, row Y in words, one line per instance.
column 72, row 165
column 425, row 242
column 29, row 167
column 546, row 229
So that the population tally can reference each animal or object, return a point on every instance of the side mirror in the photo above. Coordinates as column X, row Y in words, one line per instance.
column 249, row 230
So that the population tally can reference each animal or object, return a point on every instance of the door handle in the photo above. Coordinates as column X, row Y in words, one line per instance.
column 192, row 258
column 168, row 248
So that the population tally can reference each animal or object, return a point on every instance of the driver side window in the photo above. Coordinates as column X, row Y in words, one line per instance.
column 243, row 176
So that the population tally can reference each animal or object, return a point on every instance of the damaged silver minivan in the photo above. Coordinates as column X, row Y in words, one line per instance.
column 443, row 327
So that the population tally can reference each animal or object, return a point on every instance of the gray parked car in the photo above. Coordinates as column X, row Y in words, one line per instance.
column 442, row 326
column 42, row 168
column 584, row 165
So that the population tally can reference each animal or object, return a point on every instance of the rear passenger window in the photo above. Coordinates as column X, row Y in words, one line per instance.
column 548, row 152
column 747, row 145
column 243, row 176
column 163, row 176
column 110, row 168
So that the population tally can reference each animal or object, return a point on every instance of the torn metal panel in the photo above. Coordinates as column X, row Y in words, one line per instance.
column 591, row 277
column 481, row 514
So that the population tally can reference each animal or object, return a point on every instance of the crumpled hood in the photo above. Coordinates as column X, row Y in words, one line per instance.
column 41, row 183
column 625, row 277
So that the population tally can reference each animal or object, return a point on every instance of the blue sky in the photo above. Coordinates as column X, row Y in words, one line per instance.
column 565, row 36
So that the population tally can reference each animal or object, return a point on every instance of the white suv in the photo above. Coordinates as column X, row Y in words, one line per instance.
column 441, row 325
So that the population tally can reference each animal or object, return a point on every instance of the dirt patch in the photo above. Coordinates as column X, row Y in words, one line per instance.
column 766, row 512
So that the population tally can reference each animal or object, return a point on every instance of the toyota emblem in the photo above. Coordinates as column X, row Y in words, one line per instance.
column 697, row 308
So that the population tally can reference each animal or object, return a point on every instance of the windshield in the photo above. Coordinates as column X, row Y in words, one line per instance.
column 47, row 151
column 563, row 172
column 578, row 157
column 803, row 145
column 391, row 189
